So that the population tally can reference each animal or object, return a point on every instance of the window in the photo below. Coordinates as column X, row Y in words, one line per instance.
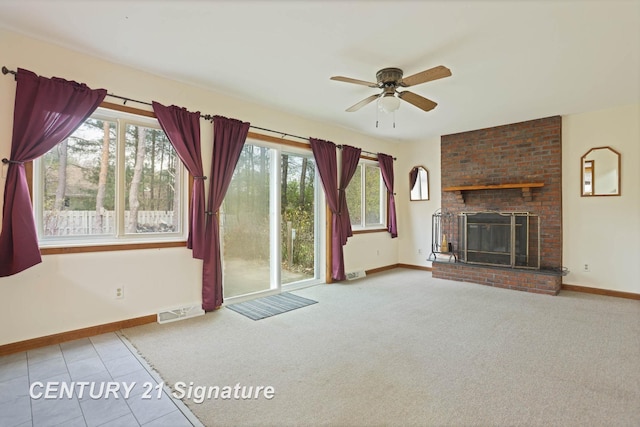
column 366, row 198
column 116, row 179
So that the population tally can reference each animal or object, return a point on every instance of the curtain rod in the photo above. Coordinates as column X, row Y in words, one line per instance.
column 210, row 117
column 6, row 71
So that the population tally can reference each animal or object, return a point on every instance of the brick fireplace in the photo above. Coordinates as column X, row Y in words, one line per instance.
column 511, row 168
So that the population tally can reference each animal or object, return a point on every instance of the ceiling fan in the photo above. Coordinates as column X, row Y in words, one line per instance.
column 389, row 80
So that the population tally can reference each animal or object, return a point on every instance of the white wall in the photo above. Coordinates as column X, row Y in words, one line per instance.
column 67, row 292
column 602, row 231
column 369, row 251
column 414, row 230
column 413, row 244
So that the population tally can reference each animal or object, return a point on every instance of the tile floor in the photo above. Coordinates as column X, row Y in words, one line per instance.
column 104, row 362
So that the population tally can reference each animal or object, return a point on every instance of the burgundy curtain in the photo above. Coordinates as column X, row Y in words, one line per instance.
column 46, row 112
column 229, row 136
column 183, row 130
column 350, row 159
column 386, row 168
column 324, row 153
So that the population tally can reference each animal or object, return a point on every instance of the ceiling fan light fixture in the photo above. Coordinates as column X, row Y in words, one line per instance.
column 389, row 103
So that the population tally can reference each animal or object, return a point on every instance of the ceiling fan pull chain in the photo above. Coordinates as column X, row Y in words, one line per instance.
column 394, row 119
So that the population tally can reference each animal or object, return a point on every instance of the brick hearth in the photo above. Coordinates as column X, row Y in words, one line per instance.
column 526, row 152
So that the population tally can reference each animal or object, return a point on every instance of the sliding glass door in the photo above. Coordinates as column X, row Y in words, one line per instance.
column 269, row 222
column 298, row 218
column 245, row 224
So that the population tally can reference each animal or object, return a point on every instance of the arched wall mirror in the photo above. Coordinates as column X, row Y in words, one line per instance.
column 419, row 183
column 600, row 172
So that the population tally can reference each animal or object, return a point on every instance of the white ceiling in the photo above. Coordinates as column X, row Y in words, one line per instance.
column 511, row 60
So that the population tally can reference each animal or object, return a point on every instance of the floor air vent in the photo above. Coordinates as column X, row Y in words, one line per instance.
column 180, row 313
column 356, row 275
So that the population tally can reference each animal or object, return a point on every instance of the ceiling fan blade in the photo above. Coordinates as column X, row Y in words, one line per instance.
column 356, row 81
column 434, row 73
column 417, row 100
column 362, row 103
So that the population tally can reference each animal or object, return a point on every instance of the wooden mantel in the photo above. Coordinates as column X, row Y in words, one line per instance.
column 524, row 186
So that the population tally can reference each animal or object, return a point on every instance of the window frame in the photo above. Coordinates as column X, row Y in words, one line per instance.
column 118, row 241
column 363, row 227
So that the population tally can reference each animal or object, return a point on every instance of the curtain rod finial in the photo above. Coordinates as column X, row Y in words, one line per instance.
column 6, row 71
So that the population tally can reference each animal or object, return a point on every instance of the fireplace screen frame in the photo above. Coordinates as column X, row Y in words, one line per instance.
column 523, row 247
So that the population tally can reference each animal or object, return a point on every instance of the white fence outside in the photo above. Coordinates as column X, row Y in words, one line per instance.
column 82, row 223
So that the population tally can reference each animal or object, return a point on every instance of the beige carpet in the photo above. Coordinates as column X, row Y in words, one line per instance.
column 401, row 348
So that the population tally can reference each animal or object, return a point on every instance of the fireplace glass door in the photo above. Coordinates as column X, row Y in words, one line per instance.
column 499, row 238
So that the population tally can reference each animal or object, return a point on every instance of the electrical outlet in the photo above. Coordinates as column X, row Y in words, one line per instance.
column 586, row 268
column 419, row 251
column 120, row 292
